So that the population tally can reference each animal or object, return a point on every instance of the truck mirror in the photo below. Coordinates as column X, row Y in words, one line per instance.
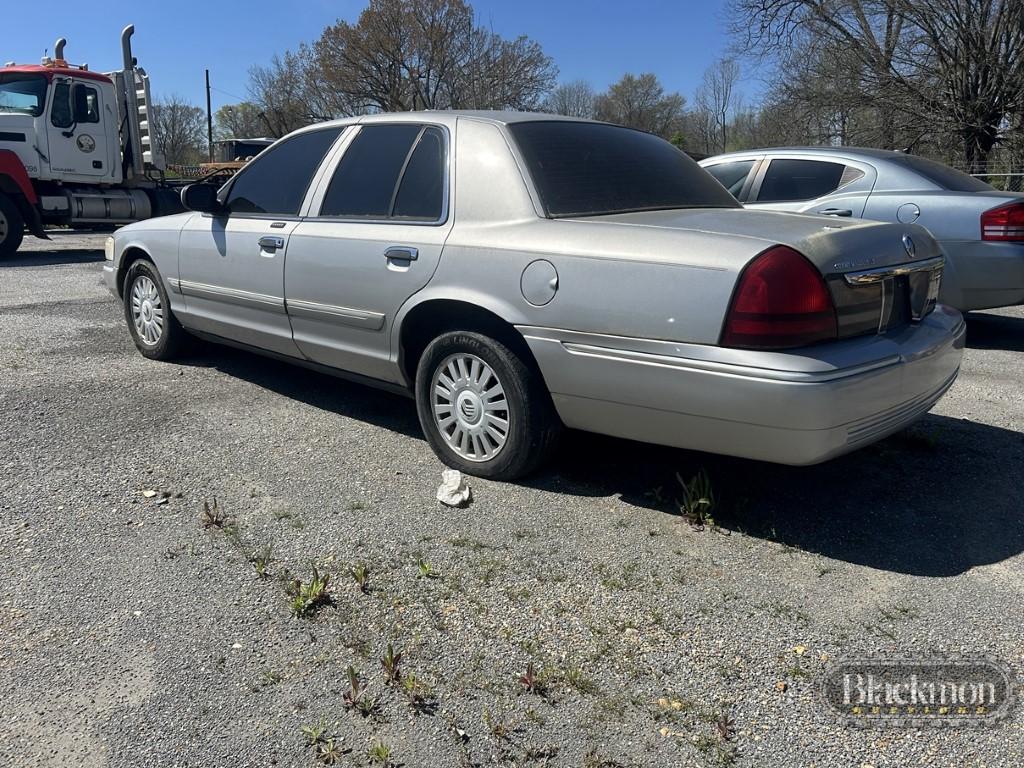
column 201, row 198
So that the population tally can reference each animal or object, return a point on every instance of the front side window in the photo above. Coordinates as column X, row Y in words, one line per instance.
column 788, row 181
column 61, row 114
column 25, row 94
column 276, row 181
column 390, row 172
column 591, row 169
column 732, row 175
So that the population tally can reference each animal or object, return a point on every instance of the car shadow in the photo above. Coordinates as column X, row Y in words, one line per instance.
column 934, row 500
column 320, row 390
column 51, row 258
column 992, row 331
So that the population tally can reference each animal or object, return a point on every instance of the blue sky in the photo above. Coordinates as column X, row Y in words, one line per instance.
column 595, row 40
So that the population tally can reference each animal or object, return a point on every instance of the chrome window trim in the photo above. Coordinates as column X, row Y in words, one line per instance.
column 331, row 167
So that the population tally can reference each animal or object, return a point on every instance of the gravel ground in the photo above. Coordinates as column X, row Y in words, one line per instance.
column 130, row 635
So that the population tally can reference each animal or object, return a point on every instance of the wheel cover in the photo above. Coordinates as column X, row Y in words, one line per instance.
column 469, row 407
column 147, row 310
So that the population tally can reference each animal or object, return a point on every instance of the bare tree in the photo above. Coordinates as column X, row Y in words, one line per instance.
column 238, row 121
column 641, row 102
column 718, row 99
column 575, row 99
column 956, row 65
column 281, row 95
column 180, row 128
column 427, row 54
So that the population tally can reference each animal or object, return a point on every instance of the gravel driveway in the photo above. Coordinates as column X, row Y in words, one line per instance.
column 132, row 635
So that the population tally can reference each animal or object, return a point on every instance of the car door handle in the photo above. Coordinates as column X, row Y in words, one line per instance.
column 401, row 253
column 836, row 212
column 271, row 243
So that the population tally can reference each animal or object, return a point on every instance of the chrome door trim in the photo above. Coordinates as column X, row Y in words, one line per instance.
column 358, row 318
column 879, row 274
column 232, row 296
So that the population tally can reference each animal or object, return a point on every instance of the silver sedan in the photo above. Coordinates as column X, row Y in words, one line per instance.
column 980, row 229
column 518, row 273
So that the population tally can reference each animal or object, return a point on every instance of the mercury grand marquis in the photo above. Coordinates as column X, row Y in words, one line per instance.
column 519, row 273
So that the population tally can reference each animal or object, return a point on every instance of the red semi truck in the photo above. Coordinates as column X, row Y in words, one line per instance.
column 76, row 148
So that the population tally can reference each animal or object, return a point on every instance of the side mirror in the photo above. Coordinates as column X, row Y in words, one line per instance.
column 202, row 198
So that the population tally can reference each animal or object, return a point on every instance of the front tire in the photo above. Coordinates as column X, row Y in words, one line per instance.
column 484, row 410
column 155, row 331
column 12, row 227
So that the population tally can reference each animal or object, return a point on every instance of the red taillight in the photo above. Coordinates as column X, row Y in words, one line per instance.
column 1003, row 223
column 781, row 301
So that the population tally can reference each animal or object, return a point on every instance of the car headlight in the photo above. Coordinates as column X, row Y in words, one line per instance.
column 108, row 249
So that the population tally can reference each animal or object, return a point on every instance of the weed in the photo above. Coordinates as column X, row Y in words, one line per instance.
column 261, row 559
column 379, row 754
column 355, row 697
column 214, row 517
column 593, row 760
column 269, row 677
column 308, row 597
column 426, row 569
column 534, row 716
column 575, row 678
column 315, row 733
column 417, row 694
column 329, row 752
column 698, row 500
column 499, row 728
column 360, row 573
column 531, row 681
column 356, row 506
column 392, row 664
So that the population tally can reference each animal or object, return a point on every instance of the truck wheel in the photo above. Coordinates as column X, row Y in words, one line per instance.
column 12, row 227
column 483, row 410
column 156, row 332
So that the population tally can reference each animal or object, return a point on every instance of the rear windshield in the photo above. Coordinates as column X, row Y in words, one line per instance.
column 590, row 169
column 943, row 176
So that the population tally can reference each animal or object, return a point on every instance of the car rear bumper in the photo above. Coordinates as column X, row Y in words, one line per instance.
column 982, row 275
column 799, row 407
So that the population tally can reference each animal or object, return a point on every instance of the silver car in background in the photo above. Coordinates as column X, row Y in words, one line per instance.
column 980, row 229
column 517, row 273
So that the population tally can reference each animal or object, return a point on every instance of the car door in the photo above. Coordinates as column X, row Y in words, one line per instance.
column 75, row 134
column 231, row 266
column 834, row 187
column 373, row 237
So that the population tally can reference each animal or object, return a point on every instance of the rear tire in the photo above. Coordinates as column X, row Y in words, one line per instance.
column 12, row 227
column 484, row 410
column 147, row 310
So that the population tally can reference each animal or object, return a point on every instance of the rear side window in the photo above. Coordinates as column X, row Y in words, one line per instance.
column 277, row 180
column 590, row 169
column 942, row 175
column 87, row 104
column 794, row 180
column 389, row 171
column 733, row 175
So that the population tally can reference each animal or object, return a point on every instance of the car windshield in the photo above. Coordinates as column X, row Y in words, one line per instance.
column 22, row 93
column 943, row 176
column 591, row 169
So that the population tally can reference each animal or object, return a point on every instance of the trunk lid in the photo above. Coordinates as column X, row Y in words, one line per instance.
column 881, row 276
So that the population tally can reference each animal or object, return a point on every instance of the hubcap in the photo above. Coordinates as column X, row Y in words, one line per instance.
column 469, row 407
column 147, row 310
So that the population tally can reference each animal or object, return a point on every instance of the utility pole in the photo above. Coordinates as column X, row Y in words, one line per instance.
column 209, row 118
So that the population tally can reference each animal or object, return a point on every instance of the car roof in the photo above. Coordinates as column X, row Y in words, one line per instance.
column 449, row 116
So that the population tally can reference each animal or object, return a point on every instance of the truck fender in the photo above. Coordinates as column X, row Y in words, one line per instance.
column 14, row 180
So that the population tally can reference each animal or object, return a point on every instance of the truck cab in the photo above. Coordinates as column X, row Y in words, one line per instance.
column 76, row 148
column 61, row 123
